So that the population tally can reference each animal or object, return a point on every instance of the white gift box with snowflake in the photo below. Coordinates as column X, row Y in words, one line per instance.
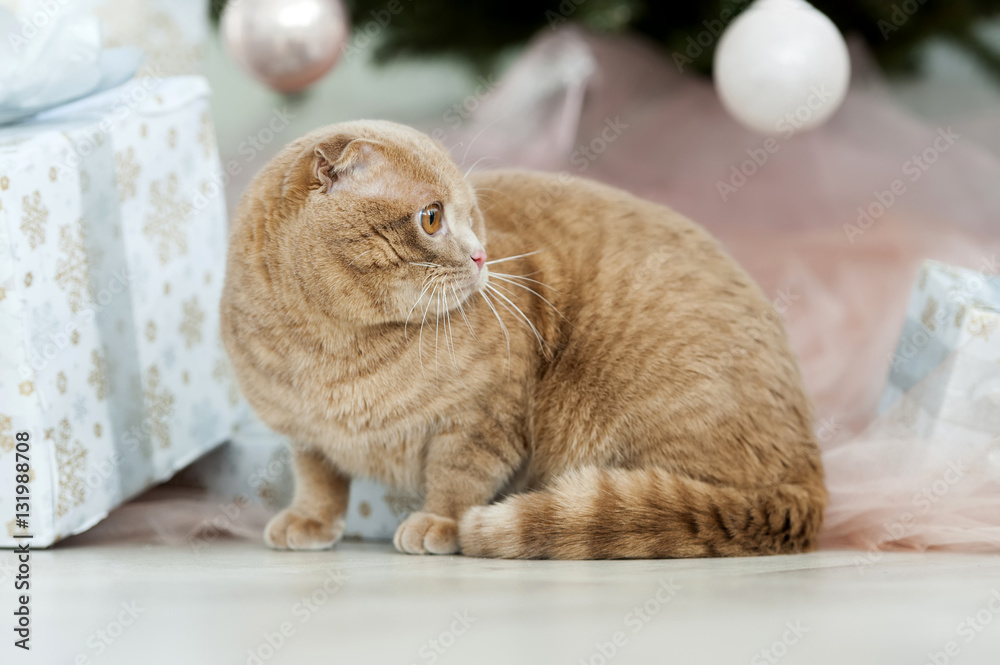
column 947, row 362
column 112, row 246
column 255, row 466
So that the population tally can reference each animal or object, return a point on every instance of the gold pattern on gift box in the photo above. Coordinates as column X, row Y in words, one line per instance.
column 97, row 430
column 185, row 377
column 206, row 134
column 3, row 293
column 365, row 509
column 151, row 332
column 61, row 383
column 166, row 288
column 191, row 321
column 172, row 138
column 143, row 130
column 127, row 171
column 98, row 377
column 28, row 279
column 168, row 215
column 71, row 463
column 72, row 267
column 53, row 174
column 26, row 388
column 75, row 337
column 160, row 406
column 4, row 183
column 929, row 314
column 13, row 530
column 33, row 219
column 6, row 433
column 959, row 315
column 982, row 324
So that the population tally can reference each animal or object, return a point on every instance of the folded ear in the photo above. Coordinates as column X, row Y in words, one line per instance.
column 342, row 156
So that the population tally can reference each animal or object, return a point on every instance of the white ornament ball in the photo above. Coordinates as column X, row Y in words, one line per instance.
column 782, row 66
column 286, row 44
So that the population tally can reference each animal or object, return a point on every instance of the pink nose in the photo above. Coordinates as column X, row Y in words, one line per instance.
column 479, row 256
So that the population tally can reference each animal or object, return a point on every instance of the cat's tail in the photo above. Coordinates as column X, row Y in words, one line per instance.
column 649, row 513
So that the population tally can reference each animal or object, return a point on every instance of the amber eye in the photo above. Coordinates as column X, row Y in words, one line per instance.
column 430, row 218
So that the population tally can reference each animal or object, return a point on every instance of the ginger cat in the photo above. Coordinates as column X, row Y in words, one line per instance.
column 610, row 385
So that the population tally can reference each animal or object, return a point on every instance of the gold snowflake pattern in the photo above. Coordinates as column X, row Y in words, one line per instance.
column 150, row 331
column 72, row 268
column 193, row 317
column 929, row 314
column 28, row 279
column 97, row 430
column 71, row 463
column 3, row 293
column 172, row 138
column 26, row 388
column 33, row 219
column 167, row 218
column 75, row 337
column 98, row 377
column 53, row 174
column 127, row 170
column 13, row 530
column 61, row 383
column 4, row 183
column 982, row 324
column 160, row 406
column 6, row 433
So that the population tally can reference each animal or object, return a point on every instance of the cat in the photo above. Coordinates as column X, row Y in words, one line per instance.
column 608, row 384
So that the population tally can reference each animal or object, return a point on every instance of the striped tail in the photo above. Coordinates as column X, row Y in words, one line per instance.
column 649, row 513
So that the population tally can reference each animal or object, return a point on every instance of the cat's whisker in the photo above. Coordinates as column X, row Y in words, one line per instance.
column 461, row 309
column 359, row 256
column 530, row 290
column 420, row 339
column 407, row 322
column 473, row 141
column 424, row 265
column 449, row 333
column 475, row 164
column 526, row 278
column 503, row 327
column 517, row 310
column 519, row 256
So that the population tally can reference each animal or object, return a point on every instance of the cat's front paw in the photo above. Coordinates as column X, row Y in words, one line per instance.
column 427, row 533
column 291, row 530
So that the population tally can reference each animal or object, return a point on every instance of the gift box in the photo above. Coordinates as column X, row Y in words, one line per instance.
column 112, row 250
column 947, row 362
column 256, row 467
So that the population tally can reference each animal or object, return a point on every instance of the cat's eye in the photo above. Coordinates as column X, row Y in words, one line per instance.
column 431, row 218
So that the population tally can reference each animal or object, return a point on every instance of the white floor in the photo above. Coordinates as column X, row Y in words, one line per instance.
column 229, row 602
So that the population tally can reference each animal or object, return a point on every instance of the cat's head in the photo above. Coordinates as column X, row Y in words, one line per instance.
column 376, row 221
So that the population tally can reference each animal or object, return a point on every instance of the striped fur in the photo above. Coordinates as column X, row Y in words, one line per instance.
column 642, row 514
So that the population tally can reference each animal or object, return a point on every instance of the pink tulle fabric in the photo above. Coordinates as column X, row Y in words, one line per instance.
column 665, row 137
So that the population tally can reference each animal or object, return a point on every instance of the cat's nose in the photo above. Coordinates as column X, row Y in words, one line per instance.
column 479, row 256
